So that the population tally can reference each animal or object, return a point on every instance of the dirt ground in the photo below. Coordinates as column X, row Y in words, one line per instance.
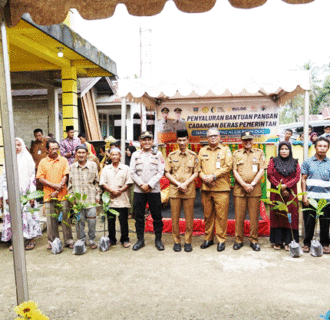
column 148, row 284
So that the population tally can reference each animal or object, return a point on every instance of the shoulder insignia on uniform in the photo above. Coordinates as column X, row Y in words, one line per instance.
column 205, row 155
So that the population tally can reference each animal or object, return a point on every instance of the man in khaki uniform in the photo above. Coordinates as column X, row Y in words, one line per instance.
column 215, row 164
column 248, row 168
column 181, row 169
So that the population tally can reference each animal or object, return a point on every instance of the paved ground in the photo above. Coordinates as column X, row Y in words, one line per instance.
column 203, row 284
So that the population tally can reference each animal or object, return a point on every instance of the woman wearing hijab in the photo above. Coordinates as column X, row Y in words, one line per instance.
column 129, row 152
column 26, row 177
column 285, row 170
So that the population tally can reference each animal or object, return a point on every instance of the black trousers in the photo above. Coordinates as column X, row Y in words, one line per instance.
column 155, row 206
column 123, row 216
column 309, row 222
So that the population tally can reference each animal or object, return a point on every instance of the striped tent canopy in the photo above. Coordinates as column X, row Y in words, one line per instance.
column 48, row 12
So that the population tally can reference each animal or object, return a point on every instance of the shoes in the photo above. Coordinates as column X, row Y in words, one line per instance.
column 255, row 246
column 113, row 243
column 187, row 247
column 93, row 246
column 306, row 248
column 177, row 247
column 277, row 247
column 287, row 248
column 30, row 245
column 70, row 245
column 159, row 245
column 207, row 244
column 237, row 245
column 49, row 246
column 326, row 250
column 139, row 244
column 221, row 246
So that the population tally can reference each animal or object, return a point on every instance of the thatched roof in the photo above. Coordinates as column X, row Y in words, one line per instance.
column 47, row 12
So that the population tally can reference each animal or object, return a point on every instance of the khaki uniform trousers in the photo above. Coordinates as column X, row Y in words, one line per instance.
column 215, row 205
column 52, row 223
column 188, row 208
column 253, row 206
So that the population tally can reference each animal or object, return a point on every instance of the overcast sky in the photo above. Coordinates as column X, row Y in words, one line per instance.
column 275, row 36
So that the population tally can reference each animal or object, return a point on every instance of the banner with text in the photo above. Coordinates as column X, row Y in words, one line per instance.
column 231, row 118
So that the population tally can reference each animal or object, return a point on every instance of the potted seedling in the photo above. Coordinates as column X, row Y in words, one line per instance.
column 317, row 207
column 281, row 207
column 78, row 204
column 104, row 243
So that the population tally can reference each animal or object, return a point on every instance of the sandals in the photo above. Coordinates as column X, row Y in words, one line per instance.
column 30, row 245
column 287, row 248
column 126, row 244
column 326, row 250
column 277, row 247
column 306, row 249
column 93, row 246
column 49, row 246
column 11, row 248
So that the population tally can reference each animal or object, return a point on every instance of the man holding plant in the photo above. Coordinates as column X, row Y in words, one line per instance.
column 116, row 179
column 53, row 174
column 315, row 181
column 84, row 178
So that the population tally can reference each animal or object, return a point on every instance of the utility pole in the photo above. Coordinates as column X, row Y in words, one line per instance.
column 145, row 50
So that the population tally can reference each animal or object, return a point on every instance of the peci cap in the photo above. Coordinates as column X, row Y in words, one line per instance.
column 69, row 128
column 247, row 135
column 182, row 134
column 82, row 146
column 177, row 110
column 146, row 134
column 165, row 110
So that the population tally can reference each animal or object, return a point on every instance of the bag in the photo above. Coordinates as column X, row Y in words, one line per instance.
column 104, row 244
column 295, row 249
column 57, row 246
column 316, row 248
column 79, row 247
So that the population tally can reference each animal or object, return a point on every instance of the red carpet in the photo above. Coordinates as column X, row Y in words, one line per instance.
column 199, row 228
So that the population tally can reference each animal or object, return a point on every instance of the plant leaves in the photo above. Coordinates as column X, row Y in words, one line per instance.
column 84, row 197
column 274, row 191
column 115, row 212
column 313, row 203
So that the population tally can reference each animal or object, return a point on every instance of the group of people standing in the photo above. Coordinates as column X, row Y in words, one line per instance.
column 67, row 168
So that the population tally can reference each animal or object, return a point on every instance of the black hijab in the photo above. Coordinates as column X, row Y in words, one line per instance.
column 128, row 159
column 285, row 166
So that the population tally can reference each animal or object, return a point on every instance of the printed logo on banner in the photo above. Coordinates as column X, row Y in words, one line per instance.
column 213, row 109
column 205, row 110
column 221, row 109
column 263, row 108
column 195, row 109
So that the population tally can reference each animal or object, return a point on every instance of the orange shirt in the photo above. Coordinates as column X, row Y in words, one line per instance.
column 53, row 171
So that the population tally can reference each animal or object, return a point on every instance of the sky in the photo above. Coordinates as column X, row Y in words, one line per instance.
column 275, row 36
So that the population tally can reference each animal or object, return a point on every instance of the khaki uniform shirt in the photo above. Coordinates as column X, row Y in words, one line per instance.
column 38, row 150
column 217, row 161
column 117, row 178
column 147, row 167
column 248, row 164
column 164, row 126
column 182, row 165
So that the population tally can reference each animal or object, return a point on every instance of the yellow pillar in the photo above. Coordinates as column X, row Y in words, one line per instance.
column 69, row 98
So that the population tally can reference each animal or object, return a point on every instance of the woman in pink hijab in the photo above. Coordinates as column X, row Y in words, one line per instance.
column 26, row 177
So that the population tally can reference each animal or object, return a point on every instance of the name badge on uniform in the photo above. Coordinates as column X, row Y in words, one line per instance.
column 254, row 168
column 217, row 165
column 39, row 151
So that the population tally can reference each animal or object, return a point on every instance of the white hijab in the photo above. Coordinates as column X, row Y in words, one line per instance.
column 26, row 169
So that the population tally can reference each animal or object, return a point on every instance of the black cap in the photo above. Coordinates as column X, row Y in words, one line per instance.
column 247, row 135
column 113, row 143
column 166, row 110
column 327, row 126
column 177, row 110
column 68, row 128
column 146, row 134
column 182, row 133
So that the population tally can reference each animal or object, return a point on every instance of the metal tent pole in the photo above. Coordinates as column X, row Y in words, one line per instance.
column 306, row 125
column 11, row 170
column 123, row 129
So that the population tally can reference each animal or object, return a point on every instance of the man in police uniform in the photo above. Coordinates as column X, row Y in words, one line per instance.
column 147, row 168
column 165, row 125
column 215, row 164
column 179, row 123
column 181, row 169
column 248, row 169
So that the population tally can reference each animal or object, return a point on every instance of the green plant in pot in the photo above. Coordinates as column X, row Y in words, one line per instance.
column 316, row 206
column 281, row 207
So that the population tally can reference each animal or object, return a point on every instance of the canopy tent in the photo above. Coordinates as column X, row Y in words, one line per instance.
column 280, row 87
column 47, row 12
